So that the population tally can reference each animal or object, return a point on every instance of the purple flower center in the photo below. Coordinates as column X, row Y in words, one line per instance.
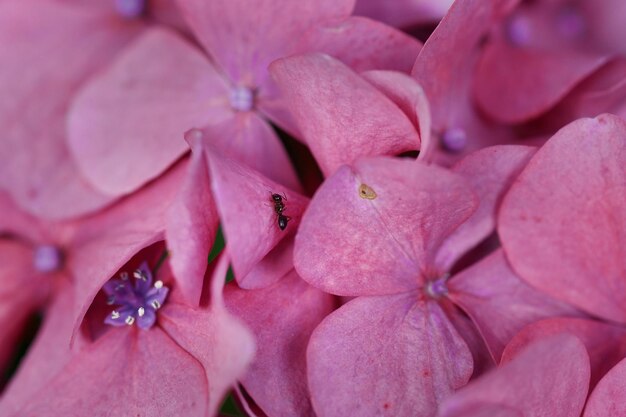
column 241, row 98
column 130, row 9
column 518, row 30
column 47, row 258
column 570, row 24
column 437, row 288
column 454, row 139
column 136, row 303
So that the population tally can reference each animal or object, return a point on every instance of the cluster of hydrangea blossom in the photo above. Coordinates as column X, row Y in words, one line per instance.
column 282, row 208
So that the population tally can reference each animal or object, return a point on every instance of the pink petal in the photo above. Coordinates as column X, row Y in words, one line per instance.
column 409, row 96
column 374, row 228
column 192, row 224
column 561, row 223
column 534, row 80
column 363, row 44
column 46, row 357
column 550, row 378
column 602, row 92
column 35, row 166
column 385, row 356
column 608, row 397
column 482, row 359
column 217, row 340
column 604, row 341
column 251, row 141
column 273, row 266
column 403, row 13
column 491, row 172
column 21, row 292
column 446, row 60
column 485, row 410
column 248, row 216
column 499, row 303
column 129, row 372
column 16, row 222
column 103, row 243
column 167, row 12
column 282, row 318
column 445, row 69
column 127, row 126
column 245, row 40
column 606, row 24
column 328, row 102
column 360, row 43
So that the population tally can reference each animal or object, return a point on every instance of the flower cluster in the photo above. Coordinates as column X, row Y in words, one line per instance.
column 313, row 208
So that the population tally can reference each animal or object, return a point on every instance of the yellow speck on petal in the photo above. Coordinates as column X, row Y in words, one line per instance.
column 365, row 191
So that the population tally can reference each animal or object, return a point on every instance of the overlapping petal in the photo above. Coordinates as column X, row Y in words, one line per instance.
column 106, row 241
column 249, row 218
column 363, row 44
column 500, row 303
column 606, row 398
column 131, row 371
column 282, row 318
column 127, row 125
column 490, row 172
column 243, row 43
column 551, row 377
column 35, row 165
column 605, row 342
column 562, row 223
column 219, row 342
column 374, row 228
column 192, row 223
column 327, row 100
column 20, row 293
column 48, row 354
column 401, row 355
column 445, row 69
column 409, row 96
column 545, row 79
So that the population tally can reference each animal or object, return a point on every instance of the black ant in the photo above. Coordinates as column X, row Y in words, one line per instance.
column 279, row 208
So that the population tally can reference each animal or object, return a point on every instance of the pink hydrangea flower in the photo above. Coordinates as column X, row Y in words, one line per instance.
column 64, row 265
column 388, row 231
column 167, row 359
column 174, row 84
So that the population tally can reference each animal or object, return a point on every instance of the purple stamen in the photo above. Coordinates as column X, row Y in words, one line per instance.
column 137, row 303
column 47, row 258
column 437, row 288
column 241, row 98
column 130, row 9
column 454, row 140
